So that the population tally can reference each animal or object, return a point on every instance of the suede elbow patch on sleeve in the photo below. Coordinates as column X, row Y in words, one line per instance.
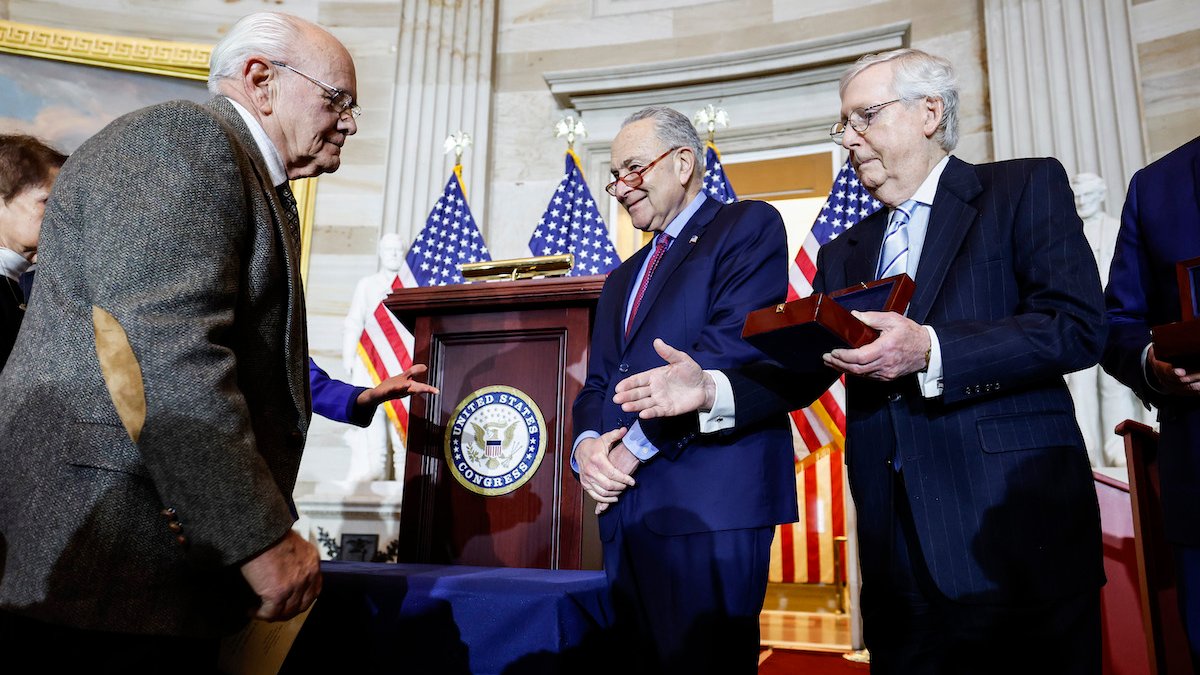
column 122, row 373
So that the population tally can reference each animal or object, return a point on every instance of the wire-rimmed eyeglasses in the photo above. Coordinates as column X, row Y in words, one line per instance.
column 633, row 179
column 859, row 120
column 340, row 100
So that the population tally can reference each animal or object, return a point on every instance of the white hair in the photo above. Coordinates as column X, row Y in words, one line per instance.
column 268, row 34
column 673, row 128
column 918, row 75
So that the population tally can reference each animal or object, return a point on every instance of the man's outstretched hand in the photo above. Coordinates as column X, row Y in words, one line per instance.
column 679, row 387
column 397, row 386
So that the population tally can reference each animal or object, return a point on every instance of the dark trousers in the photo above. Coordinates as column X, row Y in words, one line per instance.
column 1187, row 584
column 63, row 649
column 910, row 628
column 689, row 603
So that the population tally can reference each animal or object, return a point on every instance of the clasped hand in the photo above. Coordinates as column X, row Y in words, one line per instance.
column 606, row 467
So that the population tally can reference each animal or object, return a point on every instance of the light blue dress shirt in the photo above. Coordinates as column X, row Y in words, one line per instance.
column 635, row 439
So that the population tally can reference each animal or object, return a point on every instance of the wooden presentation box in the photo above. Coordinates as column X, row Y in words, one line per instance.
column 797, row 333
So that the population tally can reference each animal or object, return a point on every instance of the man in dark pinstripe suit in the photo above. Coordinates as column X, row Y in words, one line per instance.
column 977, row 518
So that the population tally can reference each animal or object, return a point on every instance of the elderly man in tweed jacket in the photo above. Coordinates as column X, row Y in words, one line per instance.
column 157, row 406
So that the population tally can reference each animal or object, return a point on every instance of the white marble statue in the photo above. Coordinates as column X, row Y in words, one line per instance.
column 376, row 452
column 1100, row 401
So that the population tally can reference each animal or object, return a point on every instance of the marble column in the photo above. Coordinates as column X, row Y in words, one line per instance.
column 1063, row 79
column 443, row 84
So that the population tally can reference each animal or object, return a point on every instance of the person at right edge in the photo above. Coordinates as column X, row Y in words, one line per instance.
column 1160, row 226
column 978, row 525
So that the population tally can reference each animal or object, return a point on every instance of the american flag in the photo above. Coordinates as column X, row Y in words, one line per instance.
column 386, row 347
column 804, row 552
column 572, row 224
column 715, row 183
column 449, row 239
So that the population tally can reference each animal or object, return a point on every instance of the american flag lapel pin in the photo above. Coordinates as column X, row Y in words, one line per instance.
column 695, row 238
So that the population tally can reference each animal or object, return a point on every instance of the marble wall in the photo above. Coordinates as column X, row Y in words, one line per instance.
column 1166, row 34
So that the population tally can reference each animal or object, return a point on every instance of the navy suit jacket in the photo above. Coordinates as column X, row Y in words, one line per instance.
column 336, row 400
column 1160, row 225
column 728, row 260
column 995, row 468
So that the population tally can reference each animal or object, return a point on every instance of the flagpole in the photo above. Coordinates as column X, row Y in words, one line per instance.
column 716, row 183
column 458, row 142
column 710, row 117
column 572, row 129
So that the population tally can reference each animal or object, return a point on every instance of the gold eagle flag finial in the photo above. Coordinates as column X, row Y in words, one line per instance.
column 458, row 142
column 571, row 128
column 709, row 118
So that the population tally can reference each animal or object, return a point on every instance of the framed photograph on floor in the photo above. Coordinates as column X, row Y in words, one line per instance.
column 358, row 547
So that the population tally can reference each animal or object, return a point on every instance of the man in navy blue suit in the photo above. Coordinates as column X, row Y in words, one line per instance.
column 686, row 544
column 1159, row 227
column 977, row 517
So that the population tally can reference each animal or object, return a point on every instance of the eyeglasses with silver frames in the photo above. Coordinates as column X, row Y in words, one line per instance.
column 859, row 120
column 341, row 101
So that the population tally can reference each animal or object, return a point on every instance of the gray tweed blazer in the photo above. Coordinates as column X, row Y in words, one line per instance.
column 161, row 369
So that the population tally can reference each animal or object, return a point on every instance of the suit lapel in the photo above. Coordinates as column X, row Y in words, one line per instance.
column 680, row 249
column 1196, row 172
column 951, row 217
column 295, row 336
column 623, row 278
column 867, row 238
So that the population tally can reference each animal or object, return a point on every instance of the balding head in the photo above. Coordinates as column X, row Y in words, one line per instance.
column 297, row 80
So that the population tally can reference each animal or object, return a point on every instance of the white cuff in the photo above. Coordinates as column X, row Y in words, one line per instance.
column 930, row 380
column 722, row 414
column 1146, row 371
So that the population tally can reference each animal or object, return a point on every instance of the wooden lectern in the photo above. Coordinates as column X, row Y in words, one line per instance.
column 1165, row 637
column 531, row 336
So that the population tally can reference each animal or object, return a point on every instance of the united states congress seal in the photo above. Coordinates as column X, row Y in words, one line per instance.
column 496, row 439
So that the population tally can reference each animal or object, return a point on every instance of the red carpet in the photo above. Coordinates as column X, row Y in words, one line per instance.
column 787, row 662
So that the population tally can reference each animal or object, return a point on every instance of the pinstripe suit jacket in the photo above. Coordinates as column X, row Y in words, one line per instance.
column 1160, row 226
column 161, row 365
column 995, row 468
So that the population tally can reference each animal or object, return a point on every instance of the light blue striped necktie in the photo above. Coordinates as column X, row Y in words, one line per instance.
column 893, row 259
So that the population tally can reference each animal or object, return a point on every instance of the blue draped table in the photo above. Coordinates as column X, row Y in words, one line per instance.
column 452, row 619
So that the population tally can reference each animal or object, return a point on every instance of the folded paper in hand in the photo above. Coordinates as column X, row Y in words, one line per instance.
column 261, row 647
column 798, row 333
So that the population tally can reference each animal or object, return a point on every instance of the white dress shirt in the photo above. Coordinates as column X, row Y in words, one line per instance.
column 270, row 153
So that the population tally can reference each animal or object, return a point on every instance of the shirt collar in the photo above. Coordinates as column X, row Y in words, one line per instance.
column 12, row 264
column 269, row 152
column 677, row 224
column 925, row 193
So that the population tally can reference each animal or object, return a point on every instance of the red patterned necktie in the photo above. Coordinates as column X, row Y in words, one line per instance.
column 660, row 248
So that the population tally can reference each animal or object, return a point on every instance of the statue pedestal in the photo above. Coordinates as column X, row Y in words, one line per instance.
column 348, row 508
